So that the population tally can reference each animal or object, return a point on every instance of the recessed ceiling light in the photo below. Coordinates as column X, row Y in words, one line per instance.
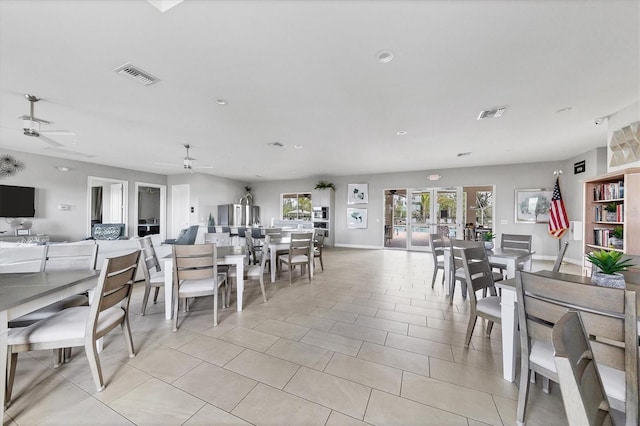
column 565, row 109
column 258, row 176
column 221, row 101
column 63, row 168
column 401, row 132
column 384, row 56
column 463, row 154
column 297, row 146
column 492, row 113
column 276, row 145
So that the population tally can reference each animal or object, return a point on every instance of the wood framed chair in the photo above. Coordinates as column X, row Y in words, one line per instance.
column 480, row 277
column 513, row 242
column 300, row 254
column 82, row 325
column 153, row 273
column 585, row 400
column 456, row 271
column 609, row 317
column 560, row 256
column 195, row 274
column 318, row 245
column 253, row 271
column 437, row 243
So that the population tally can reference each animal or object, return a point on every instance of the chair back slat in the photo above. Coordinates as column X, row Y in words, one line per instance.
column 194, row 262
column 114, row 298
column 580, row 384
column 114, row 286
column 561, row 253
column 516, row 241
column 64, row 257
column 477, row 269
column 265, row 253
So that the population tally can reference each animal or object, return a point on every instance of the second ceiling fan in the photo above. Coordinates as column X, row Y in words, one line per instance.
column 187, row 162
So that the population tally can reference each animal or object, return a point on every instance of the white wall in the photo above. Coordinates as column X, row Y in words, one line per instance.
column 54, row 187
column 617, row 121
column 506, row 178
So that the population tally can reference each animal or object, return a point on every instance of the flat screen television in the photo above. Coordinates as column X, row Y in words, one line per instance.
column 17, row 201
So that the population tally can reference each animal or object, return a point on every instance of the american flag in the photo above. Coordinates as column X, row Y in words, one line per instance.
column 558, row 221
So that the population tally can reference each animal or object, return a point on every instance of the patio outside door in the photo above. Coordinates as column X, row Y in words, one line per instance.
column 434, row 209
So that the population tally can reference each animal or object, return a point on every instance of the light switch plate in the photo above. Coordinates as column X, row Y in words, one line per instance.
column 504, row 222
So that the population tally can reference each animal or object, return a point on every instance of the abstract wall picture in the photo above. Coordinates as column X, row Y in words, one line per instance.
column 358, row 193
column 9, row 166
column 356, row 218
column 532, row 205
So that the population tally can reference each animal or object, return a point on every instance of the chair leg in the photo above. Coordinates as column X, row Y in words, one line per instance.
column 176, row 302
column 12, row 361
column 215, row 307
column 264, row 294
column 58, row 357
column 290, row 272
column 546, row 384
column 433, row 280
column 145, row 299
column 155, row 296
column 472, row 324
column 489, row 328
column 523, row 393
column 128, row 339
column 452, row 287
column 66, row 352
column 94, row 364
column 229, row 287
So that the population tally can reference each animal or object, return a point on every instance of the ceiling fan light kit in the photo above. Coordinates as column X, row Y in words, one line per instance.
column 31, row 125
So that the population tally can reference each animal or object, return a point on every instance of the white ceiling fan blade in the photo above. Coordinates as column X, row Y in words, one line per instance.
column 168, row 164
column 50, row 141
column 36, row 119
column 58, row 132
column 11, row 128
column 203, row 167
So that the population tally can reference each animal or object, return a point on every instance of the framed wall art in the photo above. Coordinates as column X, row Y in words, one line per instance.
column 356, row 218
column 358, row 193
column 532, row 205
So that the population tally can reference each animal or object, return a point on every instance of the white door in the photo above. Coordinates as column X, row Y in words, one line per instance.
column 180, row 208
column 117, row 203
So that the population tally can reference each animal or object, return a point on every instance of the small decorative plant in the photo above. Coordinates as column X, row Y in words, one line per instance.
column 608, row 264
column 611, row 207
column 324, row 185
column 618, row 232
column 488, row 236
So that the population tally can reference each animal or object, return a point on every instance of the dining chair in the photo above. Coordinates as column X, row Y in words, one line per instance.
column 220, row 239
column 186, row 237
column 479, row 277
column 318, row 245
column 437, row 243
column 195, row 274
column 513, row 242
column 153, row 273
column 609, row 316
column 300, row 254
column 443, row 230
column 456, row 271
column 253, row 271
column 583, row 395
column 82, row 325
column 560, row 256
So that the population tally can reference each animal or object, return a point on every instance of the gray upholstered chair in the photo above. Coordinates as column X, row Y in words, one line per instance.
column 108, row 231
column 187, row 237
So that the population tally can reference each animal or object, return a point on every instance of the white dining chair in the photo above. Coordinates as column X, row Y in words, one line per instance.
column 153, row 273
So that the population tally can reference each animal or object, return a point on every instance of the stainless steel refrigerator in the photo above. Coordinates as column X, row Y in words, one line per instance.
column 238, row 215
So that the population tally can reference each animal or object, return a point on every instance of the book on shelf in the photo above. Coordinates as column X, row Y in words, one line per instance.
column 600, row 214
column 608, row 191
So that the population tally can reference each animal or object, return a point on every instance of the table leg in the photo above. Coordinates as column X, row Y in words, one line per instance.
column 240, row 282
column 273, row 261
column 511, row 268
column 168, row 288
column 4, row 328
column 447, row 271
column 509, row 335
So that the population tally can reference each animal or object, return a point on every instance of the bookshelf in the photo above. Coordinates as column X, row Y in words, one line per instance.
column 612, row 201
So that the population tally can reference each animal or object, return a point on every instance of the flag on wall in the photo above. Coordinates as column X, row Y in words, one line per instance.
column 558, row 221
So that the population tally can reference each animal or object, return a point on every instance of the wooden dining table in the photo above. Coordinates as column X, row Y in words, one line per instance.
column 21, row 293
column 509, row 315
column 282, row 243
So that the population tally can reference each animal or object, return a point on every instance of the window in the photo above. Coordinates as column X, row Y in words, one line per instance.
column 296, row 206
column 484, row 208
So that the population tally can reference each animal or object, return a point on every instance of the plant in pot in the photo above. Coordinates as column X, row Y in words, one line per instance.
column 607, row 267
column 616, row 239
column 488, row 237
column 324, row 185
column 611, row 210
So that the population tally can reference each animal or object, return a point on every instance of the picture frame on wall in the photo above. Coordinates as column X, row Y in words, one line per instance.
column 358, row 193
column 532, row 205
column 356, row 218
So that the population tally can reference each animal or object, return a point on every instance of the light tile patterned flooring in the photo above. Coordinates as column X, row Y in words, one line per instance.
column 367, row 341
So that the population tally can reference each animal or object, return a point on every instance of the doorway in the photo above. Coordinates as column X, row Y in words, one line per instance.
column 410, row 215
column 151, row 209
column 180, row 208
column 107, row 202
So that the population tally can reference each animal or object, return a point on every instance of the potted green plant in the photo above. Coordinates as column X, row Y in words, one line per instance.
column 616, row 237
column 607, row 267
column 488, row 237
column 324, row 185
column 611, row 210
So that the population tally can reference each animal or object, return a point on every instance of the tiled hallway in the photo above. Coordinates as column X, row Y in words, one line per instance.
column 367, row 340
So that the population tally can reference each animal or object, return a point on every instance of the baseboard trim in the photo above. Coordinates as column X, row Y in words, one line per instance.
column 358, row 246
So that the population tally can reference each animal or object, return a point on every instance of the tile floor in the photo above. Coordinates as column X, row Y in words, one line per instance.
column 366, row 342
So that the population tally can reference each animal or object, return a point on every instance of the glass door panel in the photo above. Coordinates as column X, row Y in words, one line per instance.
column 395, row 218
column 421, row 213
column 448, row 211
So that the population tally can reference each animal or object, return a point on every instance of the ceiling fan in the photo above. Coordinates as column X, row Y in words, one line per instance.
column 31, row 125
column 187, row 162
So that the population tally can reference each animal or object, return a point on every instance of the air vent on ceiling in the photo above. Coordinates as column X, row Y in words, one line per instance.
column 67, row 152
column 143, row 77
column 492, row 113
column 276, row 145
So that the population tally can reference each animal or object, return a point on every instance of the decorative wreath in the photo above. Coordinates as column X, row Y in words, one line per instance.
column 9, row 166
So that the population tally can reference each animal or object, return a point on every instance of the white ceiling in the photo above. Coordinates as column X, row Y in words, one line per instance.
column 306, row 73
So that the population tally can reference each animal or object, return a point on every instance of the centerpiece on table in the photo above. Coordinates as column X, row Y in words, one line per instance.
column 488, row 237
column 607, row 266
